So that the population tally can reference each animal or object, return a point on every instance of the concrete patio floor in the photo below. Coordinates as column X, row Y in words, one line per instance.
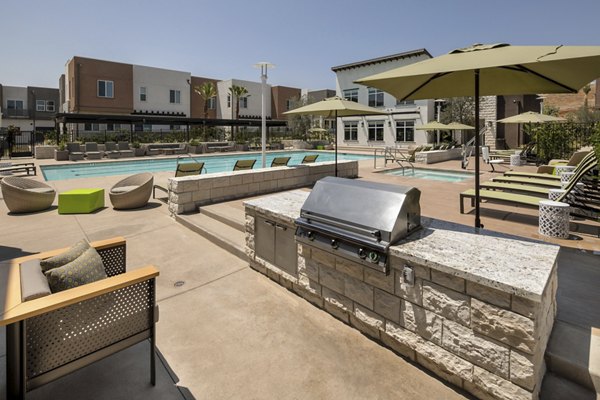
column 228, row 332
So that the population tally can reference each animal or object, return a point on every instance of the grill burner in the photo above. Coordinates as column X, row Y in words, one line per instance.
column 358, row 220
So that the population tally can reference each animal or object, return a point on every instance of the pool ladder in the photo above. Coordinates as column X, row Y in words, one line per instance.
column 393, row 154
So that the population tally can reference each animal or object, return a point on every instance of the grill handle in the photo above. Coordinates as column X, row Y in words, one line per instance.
column 376, row 233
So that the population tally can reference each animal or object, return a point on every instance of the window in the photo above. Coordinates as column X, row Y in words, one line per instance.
column 14, row 104
column 351, row 94
column 288, row 104
column 92, row 127
column 405, row 131
column 351, row 130
column 113, row 127
column 143, row 96
column 212, row 103
column 175, row 127
column 243, row 102
column 174, row 96
column 50, row 105
column 228, row 101
column 105, row 89
column 405, row 102
column 375, row 98
column 376, row 130
column 40, row 105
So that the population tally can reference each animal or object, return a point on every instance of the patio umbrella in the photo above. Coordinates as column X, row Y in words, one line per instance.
column 318, row 130
column 433, row 126
column 457, row 126
column 530, row 117
column 486, row 70
column 335, row 107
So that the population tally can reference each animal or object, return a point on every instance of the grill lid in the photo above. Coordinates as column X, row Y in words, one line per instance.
column 383, row 212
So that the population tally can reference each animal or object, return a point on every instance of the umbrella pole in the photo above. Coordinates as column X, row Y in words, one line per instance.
column 335, row 134
column 477, row 198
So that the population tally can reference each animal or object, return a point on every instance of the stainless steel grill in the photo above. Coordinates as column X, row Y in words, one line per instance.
column 358, row 220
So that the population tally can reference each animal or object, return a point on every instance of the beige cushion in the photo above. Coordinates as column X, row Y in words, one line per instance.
column 124, row 189
column 66, row 257
column 33, row 281
column 86, row 268
column 41, row 190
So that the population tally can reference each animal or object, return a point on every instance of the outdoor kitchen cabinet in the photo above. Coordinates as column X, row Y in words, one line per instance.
column 275, row 242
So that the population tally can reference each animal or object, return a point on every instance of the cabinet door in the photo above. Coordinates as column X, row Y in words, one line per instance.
column 286, row 254
column 264, row 239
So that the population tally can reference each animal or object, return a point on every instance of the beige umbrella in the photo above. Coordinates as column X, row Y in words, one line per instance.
column 334, row 107
column 457, row 126
column 530, row 117
column 318, row 130
column 497, row 69
column 433, row 126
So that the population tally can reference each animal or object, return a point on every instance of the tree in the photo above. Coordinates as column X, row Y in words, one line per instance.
column 207, row 91
column 458, row 109
column 300, row 124
column 237, row 92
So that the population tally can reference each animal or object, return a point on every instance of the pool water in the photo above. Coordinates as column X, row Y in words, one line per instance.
column 432, row 174
column 212, row 164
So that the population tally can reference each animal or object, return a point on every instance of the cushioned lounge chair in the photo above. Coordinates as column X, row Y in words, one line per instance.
column 75, row 152
column 182, row 169
column 280, row 161
column 110, row 149
column 310, row 159
column 91, row 151
column 132, row 192
column 549, row 183
column 516, row 188
column 57, row 334
column 241, row 165
column 23, row 195
column 575, row 159
column 573, row 195
column 547, row 171
column 124, row 149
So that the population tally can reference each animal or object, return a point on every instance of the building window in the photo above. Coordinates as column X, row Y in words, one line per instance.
column 175, row 127
column 40, row 105
column 288, row 104
column 228, row 101
column 14, row 104
column 143, row 96
column 405, row 131
column 105, row 89
column 50, row 105
column 243, row 102
column 351, row 130
column 174, row 96
column 212, row 103
column 351, row 94
column 92, row 127
column 376, row 131
column 375, row 98
column 113, row 127
column 405, row 102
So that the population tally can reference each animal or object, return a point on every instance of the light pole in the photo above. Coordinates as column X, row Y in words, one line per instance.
column 438, row 103
column 263, row 65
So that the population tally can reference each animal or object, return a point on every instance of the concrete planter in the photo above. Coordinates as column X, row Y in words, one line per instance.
column 195, row 149
column 61, row 155
column 44, row 152
column 139, row 152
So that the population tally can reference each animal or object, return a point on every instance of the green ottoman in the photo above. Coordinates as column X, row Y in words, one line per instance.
column 80, row 201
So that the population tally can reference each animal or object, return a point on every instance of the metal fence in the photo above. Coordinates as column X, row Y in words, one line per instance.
column 561, row 140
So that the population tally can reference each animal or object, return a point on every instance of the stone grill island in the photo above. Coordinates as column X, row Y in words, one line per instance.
column 475, row 309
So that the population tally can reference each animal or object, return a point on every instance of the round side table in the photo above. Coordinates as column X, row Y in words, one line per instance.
column 561, row 169
column 554, row 194
column 565, row 177
column 515, row 160
column 554, row 219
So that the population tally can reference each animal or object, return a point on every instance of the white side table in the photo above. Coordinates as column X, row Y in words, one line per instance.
column 565, row 177
column 554, row 194
column 561, row 169
column 515, row 160
column 554, row 219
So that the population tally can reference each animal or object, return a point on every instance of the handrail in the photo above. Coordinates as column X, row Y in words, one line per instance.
column 398, row 157
column 467, row 149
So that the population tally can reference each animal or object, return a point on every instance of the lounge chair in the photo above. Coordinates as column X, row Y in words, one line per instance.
column 575, row 159
column 56, row 334
column 124, row 149
column 7, row 169
column 550, row 183
column 586, row 159
column 75, row 152
column 280, row 161
column 132, row 192
column 310, row 159
column 182, row 169
column 412, row 152
column 23, row 195
column 110, row 149
column 91, row 151
column 241, row 165
column 516, row 188
column 485, row 155
column 573, row 196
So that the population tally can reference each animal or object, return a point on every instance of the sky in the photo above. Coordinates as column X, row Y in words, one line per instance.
column 223, row 39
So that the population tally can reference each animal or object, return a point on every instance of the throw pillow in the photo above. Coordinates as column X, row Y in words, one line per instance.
column 64, row 258
column 86, row 268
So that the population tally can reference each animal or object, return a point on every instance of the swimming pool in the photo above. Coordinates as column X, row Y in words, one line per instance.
column 432, row 174
column 220, row 163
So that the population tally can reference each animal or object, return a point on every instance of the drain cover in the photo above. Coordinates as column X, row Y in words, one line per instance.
column 179, row 283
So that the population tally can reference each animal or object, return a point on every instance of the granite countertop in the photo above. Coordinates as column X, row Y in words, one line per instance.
column 509, row 263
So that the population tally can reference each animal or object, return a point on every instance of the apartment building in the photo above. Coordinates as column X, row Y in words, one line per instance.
column 397, row 128
column 28, row 108
column 250, row 104
column 282, row 100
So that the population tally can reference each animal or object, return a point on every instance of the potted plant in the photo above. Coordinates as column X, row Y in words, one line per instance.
column 138, row 151
column 61, row 154
column 194, row 146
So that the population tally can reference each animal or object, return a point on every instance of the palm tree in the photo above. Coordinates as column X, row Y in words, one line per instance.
column 237, row 92
column 207, row 91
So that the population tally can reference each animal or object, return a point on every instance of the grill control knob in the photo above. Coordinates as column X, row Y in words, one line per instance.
column 310, row 235
column 362, row 253
column 373, row 257
column 334, row 244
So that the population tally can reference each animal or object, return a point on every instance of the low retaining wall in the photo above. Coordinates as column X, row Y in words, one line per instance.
column 435, row 156
column 188, row 193
column 44, row 152
column 478, row 314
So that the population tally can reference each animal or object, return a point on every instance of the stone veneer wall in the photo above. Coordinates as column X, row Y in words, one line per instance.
column 188, row 193
column 486, row 341
column 488, row 112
